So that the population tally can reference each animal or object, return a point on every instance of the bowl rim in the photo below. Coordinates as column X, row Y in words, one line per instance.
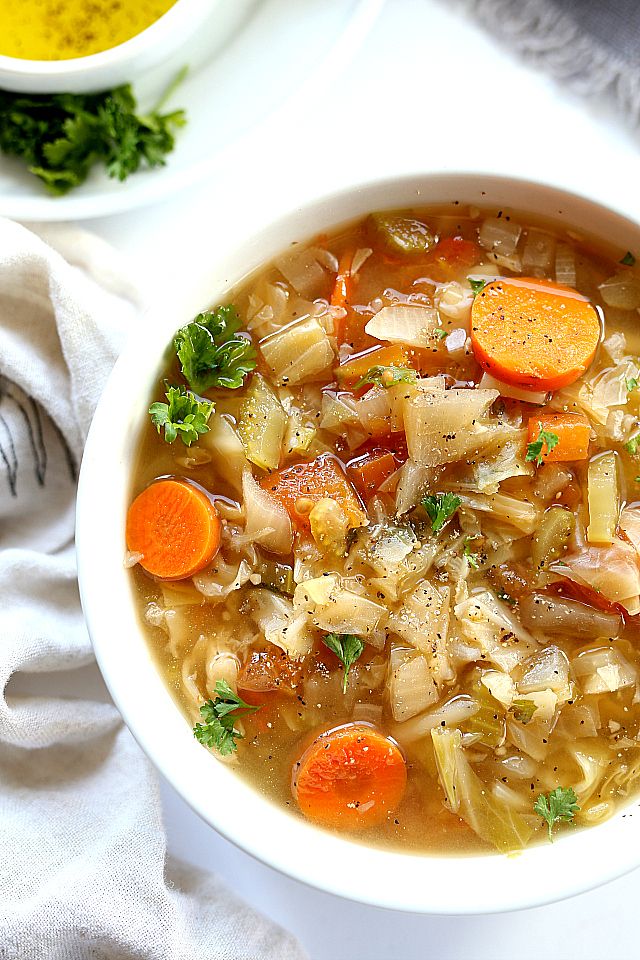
column 490, row 883
column 153, row 35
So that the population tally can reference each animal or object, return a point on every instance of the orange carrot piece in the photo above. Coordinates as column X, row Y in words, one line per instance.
column 572, row 430
column 350, row 777
column 353, row 370
column 343, row 289
column 304, row 484
column 533, row 333
column 458, row 251
column 176, row 528
column 369, row 472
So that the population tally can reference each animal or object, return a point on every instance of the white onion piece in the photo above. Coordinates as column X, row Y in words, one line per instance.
column 546, row 670
column 411, row 325
column 413, row 481
column 621, row 291
column 302, row 270
column 451, row 713
column 454, row 301
column 603, row 671
column 537, row 397
column 611, row 571
column 565, row 265
column 360, row 257
column 537, row 255
column 456, row 342
column 267, row 522
column 553, row 615
column 499, row 236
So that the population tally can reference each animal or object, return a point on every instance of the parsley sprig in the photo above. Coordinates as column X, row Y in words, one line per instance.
column 561, row 805
column 628, row 259
column 387, row 376
column 440, row 507
column 184, row 415
column 347, row 648
column 211, row 353
column 218, row 730
column 535, row 451
column 62, row 136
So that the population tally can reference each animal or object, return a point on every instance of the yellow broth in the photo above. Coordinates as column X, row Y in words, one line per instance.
column 54, row 30
column 583, row 732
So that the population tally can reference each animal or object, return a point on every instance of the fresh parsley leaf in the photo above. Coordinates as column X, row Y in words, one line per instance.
column 476, row 285
column 628, row 259
column 347, row 648
column 558, row 806
column 474, row 560
column 60, row 137
column 440, row 333
column 184, row 415
column 523, row 710
column 387, row 376
column 211, row 353
column 218, row 729
column 440, row 508
column 632, row 384
column 631, row 446
column 535, row 448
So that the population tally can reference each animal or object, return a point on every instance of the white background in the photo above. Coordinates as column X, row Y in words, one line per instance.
column 428, row 90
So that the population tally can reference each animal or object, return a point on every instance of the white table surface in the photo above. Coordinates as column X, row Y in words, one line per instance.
column 428, row 90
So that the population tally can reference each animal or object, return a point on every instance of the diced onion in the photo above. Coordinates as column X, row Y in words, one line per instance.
column 442, row 426
column 537, row 397
column 559, row 616
column 300, row 351
column 565, row 266
column 621, row 291
column 302, row 270
column 537, row 255
column 411, row 686
column 499, row 235
column 603, row 671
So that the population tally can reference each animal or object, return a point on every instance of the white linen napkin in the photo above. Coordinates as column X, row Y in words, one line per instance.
column 83, row 871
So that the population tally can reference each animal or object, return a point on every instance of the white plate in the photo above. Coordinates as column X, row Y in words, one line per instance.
column 263, row 61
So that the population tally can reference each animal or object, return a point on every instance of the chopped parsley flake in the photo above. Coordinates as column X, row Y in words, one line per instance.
column 440, row 508
column 387, row 376
column 535, row 448
column 628, row 259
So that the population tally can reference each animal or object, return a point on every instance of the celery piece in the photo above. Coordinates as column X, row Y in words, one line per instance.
column 604, row 502
column 403, row 234
column 262, row 425
column 552, row 537
column 276, row 576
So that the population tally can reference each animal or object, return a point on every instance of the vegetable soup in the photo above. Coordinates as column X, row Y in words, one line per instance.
column 385, row 530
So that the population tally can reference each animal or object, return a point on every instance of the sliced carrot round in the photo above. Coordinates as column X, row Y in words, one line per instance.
column 533, row 333
column 351, row 777
column 175, row 527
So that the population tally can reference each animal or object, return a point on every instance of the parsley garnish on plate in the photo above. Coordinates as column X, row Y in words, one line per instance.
column 561, row 805
column 476, row 285
column 184, row 415
column 62, row 136
column 219, row 717
column 440, row 508
column 387, row 376
column 628, row 259
column 535, row 450
column 210, row 352
column 347, row 648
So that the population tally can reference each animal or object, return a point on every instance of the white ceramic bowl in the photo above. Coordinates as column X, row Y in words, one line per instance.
column 110, row 68
column 577, row 861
